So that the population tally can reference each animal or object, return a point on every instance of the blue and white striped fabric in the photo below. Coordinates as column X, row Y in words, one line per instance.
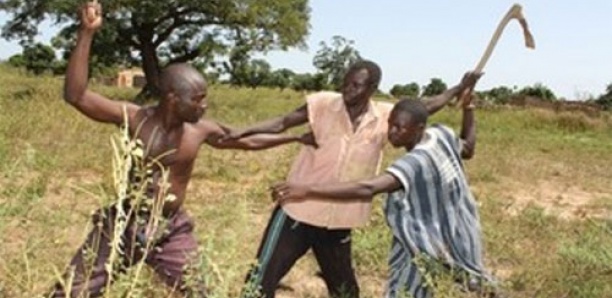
column 434, row 214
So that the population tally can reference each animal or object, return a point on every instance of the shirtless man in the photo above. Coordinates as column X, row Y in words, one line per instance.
column 175, row 125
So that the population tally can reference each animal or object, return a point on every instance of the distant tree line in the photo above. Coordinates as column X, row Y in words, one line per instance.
column 330, row 61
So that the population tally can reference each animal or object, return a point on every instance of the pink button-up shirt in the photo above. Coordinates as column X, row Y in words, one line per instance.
column 343, row 155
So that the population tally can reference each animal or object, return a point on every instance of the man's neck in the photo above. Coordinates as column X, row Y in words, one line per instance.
column 424, row 138
column 358, row 110
column 166, row 119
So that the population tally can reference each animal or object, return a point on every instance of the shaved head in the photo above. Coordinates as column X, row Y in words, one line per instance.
column 184, row 92
column 180, row 78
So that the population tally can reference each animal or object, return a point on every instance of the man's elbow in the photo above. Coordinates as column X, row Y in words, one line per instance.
column 71, row 97
column 248, row 145
column 366, row 191
column 467, row 152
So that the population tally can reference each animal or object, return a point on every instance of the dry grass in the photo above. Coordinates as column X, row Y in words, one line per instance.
column 55, row 166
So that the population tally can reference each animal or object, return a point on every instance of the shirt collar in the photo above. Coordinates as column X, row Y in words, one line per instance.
column 371, row 114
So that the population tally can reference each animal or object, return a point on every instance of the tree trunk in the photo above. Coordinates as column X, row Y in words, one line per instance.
column 150, row 65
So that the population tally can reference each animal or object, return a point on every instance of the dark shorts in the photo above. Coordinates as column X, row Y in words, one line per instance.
column 169, row 253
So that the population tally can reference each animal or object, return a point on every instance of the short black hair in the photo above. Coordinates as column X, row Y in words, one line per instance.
column 374, row 72
column 413, row 107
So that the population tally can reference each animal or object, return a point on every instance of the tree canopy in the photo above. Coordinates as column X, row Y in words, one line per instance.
column 436, row 86
column 410, row 90
column 540, row 91
column 605, row 100
column 154, row 33
column 333, row 60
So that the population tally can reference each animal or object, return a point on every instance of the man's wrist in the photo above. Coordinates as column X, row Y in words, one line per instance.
column 86, row 32
column 469, row 107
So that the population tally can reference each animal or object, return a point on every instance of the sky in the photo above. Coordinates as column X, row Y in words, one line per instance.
column 414, row 41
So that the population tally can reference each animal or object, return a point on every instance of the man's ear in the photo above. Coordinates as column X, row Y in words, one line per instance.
column 171, row 97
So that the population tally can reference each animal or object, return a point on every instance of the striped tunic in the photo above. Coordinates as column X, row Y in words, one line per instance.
column 434, row 214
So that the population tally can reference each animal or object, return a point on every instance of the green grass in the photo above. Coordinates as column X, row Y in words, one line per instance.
column 55, row 166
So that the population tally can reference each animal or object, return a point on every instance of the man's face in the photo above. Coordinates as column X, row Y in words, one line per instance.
column 191, row 101
column 356, row 87
column 403, row 132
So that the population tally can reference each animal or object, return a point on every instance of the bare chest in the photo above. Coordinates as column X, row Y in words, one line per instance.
column 175, row 149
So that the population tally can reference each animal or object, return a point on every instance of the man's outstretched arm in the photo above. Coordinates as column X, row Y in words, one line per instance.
column 274, row 125
column 436, row 103
column 93, row 105
column 364, row 189
column 216, row 137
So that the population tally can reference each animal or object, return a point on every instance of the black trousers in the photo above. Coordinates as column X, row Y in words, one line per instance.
column 286, row 240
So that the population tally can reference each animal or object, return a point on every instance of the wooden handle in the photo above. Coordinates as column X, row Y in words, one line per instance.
column 515, row 12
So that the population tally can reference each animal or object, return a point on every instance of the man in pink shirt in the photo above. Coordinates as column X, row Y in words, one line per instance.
column 350, row 130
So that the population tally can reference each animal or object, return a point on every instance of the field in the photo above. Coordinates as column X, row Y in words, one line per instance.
column 542, row 180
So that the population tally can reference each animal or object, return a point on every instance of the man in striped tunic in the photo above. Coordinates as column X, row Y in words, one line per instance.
column 430, row 209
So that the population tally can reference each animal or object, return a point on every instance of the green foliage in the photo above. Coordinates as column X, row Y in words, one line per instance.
column 38, row 58
column 16, row 61
column 310, row 82
column 436, row 86
column 258, row 73
column 280, row 78
column 587, row 262
column 605, row 100
column 498, row 95
column 539, row 91
column 410, row 90
column 333, row 60
column 168, row 31
column 55, row 164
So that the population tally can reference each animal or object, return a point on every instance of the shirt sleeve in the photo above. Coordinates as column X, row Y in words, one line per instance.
column 401, row 171
column 448, row 135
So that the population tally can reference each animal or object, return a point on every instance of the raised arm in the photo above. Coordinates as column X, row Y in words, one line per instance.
column 92, row 105
column 364, row 189
column 436, row 103
column 274, row 125
column 468, row 130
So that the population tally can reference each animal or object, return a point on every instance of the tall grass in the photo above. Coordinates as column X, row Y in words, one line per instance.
column 55, row 168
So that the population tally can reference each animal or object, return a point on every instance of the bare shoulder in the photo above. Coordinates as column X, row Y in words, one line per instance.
column 206, row 128
column 135, row 114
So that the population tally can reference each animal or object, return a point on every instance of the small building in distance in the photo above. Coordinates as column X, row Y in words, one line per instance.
column 131, row 78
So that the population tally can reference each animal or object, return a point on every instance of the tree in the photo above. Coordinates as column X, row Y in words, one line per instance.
column 499, row 95
column 16, row 61
column 540, row 91
column 333, row 60
column 38, row 58
column 411, row 90
column 280, row 78
column 162, row 32
column 605, row 100
column 309, row 82
column 436, row 86
column 258, row 72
